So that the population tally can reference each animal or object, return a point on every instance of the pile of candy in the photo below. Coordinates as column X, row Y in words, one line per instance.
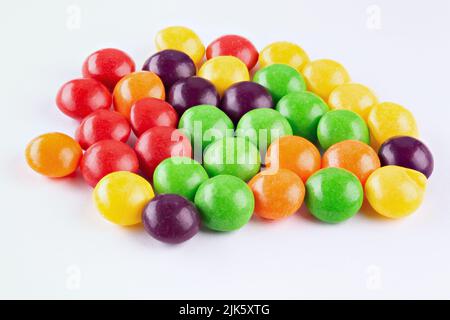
column 232, row 127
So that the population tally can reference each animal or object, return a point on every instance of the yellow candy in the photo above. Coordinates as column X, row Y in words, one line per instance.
column 121, row 196
column 224, row 71
column 285, row 53
column 354, row 97
column 181, row 39
column 323, row 76
column 395, row 192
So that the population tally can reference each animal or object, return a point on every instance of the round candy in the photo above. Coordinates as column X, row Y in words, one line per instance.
column 121, row 196
column 205, row 124
column 354, row 156
column 225, row 203
column 179, row 175
column 244, row 96
column 192, row 92
column 171, row 219
column 303, row 110
column 108, row 66
column 107, row 156
column 323, row 76
column 53, row 155
column 262, row 126
column 135, row 86
column 159, row 143
column 280, row 79
column 151, row 112
column 354, row 97
column 234, row 156
column 339, row 125
column 407, row 152
column 387, row 120
column 395, row 192
column 80, row 97
column 224, row 71
column 170, row 66
column 233, row 45
column 333, row 195
column 294, row 153
column 102, row 125
column 277, row 194
column 181, row 39
column 283, row 52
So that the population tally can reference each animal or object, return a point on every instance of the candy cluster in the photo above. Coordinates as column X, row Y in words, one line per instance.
column 218, row 148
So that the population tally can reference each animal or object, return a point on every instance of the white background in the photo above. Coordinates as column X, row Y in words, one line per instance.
column 53, row 244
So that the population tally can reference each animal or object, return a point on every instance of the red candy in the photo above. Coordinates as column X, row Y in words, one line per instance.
column 80, row 97
column 107, row 156
column 233, row 45
column 159, row 143
column 108, row 66
column 152, row 112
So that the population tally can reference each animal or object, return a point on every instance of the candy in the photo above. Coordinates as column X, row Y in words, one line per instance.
column 205, row 124
column 224, row 71
column 303, row 110
column 192, row 92
column 170, row 66
column 234, row 156
column 181, row 39
column 233, row 45
column 277, row 194
column 107, row 156
column 339, row 125
column 407, row 152
column 333, row 195
column 283, row 52
column 280, row 79
column 151, row 112
column 80, row 97
column 395, row 192
column 121, row 196
column 159, row 143
column 323, row 76
column 171, row 219
column 225, row 203
column 102, row 125
column 179, row 175
column 244, row 96
column 108, row 66
column 354, row 97
column 354, row 156
column 53, row 155
column 135, row 86
column 294, row 153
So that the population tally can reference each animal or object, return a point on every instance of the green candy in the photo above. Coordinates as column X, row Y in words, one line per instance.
column 303, row 110
column 225, row 203
column 204, row 124
column 280, row 79
column 234, row 156
column 333, row 195
column 179, row 175
column 339, row 125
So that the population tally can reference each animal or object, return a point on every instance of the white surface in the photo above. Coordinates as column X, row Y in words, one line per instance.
column 54, row 244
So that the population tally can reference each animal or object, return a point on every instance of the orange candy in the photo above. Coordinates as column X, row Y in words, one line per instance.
column 294, row 153
column 277, row 194
column 354, row 156
column 135, row 86
column 53, row 155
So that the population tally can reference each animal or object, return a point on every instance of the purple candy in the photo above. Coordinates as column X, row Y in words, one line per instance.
column 407, row 152
column 171, row 218
column 244, row 96
column 191, row 92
